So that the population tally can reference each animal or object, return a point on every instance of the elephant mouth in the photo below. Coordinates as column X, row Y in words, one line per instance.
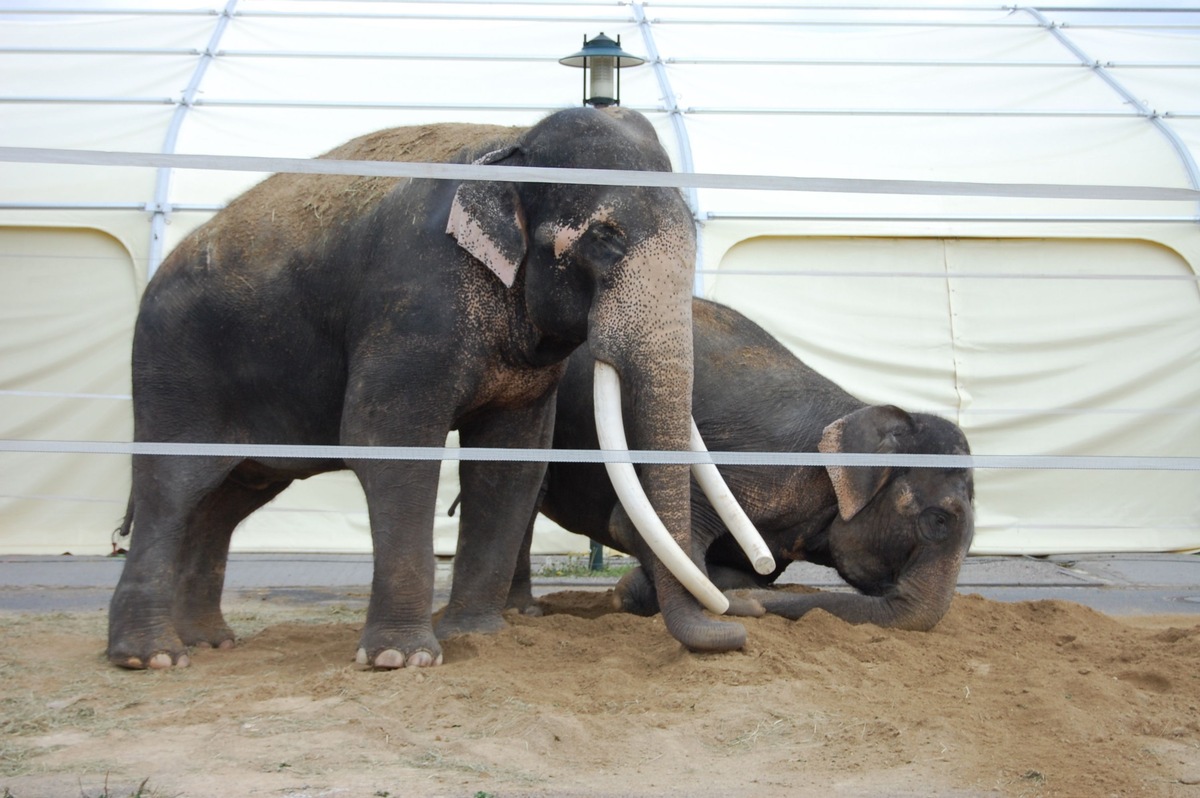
column 610, row 429
column 868, row 583
column 876, row 589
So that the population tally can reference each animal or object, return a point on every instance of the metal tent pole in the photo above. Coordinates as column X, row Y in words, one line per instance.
column 671, row 105
column 160, row 207
column 1181, row 150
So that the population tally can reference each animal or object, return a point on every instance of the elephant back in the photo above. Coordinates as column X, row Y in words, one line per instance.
column 295, row 213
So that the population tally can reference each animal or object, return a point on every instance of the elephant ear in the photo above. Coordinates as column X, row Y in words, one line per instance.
column 870, row 430
column 486, row 219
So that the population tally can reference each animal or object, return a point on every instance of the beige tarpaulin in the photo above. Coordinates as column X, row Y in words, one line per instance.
column 1008, row 339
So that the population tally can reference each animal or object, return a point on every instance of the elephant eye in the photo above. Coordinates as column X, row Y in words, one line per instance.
column 936, row 524
column 605, row 243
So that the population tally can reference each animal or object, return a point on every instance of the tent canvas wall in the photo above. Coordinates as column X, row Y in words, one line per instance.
column 1046, row 325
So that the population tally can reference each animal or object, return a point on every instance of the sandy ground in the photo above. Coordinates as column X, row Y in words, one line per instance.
column 1040, row 698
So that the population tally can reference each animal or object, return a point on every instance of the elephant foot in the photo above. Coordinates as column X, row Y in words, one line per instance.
column 520, row 598
column 788, row 605
column 454, row 623
column 225, row 645
column 635, row 594
column 393, row 651
column 744, row 606
column 391, row 659
column 163, row 660
column 213, row 633
column 154, row 652
column 533, row 610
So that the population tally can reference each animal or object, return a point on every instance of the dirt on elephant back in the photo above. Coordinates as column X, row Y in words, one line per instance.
column 1030, row 699
column 289, row 211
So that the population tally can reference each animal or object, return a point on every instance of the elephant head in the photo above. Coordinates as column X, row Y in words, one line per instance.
column 612, row 266
column 900, row 534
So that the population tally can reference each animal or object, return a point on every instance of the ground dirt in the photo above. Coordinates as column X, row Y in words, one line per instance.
column 1030, row 699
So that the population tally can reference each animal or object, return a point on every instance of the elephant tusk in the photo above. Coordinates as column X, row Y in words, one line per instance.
column 610, row 428
column 727, row 507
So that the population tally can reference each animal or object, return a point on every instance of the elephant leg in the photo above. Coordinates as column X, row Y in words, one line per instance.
column 201, row 579
column 498, row 502
column 851, row 607
column 520, row 593
column 167, row 492
column 635, row 593
column 401, row 498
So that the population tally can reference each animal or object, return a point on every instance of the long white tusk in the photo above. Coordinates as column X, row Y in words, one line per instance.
column 610, row 428
column 727, row 507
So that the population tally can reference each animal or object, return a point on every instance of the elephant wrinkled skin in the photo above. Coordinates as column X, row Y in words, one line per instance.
column 898, row 535
column 372, row 312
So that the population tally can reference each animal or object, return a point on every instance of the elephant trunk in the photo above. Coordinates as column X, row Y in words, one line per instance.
column 611, row 433
column 919, row 600
column 924, row 592
column 654, row 363
column 663, row 423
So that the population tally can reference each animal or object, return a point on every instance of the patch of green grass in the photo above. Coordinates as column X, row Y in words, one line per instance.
column 577, row 565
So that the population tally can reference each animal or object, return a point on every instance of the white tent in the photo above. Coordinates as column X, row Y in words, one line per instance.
column 1058, row 322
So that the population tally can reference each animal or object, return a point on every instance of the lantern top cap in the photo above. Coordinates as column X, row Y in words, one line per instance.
column 601, row 46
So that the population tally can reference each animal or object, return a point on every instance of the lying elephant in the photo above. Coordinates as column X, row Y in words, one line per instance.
column 898, row 535
column 322, row 309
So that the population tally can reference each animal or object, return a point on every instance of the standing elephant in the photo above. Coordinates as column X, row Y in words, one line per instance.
column 898, row 535
column 380, row 312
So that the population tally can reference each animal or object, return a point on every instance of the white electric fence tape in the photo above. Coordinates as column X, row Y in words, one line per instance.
column 599, row 177
column 293, row 452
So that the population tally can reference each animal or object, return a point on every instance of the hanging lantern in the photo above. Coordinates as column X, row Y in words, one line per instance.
column 602, row 60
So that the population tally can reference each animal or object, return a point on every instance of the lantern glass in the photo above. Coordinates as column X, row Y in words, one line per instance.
column 601, row 58
column 603, row 88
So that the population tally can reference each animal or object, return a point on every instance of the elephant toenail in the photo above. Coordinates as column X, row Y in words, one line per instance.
column 390, row 659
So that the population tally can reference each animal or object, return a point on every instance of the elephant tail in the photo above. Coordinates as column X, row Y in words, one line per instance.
column 120, row 535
